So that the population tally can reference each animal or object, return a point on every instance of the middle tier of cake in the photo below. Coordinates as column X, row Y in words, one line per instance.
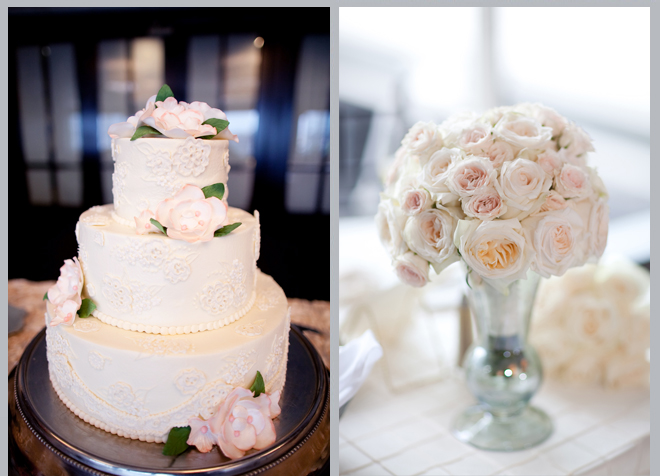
column 155, row 284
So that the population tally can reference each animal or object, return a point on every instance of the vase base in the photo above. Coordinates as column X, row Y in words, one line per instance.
column 482, row 429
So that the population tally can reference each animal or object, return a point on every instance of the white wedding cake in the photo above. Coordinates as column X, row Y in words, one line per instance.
column 164, row 312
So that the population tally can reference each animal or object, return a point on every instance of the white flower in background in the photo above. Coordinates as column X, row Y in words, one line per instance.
column 431, row 235
column 468, row 176
column 554, row 237
column 390, row 221
column 493, row 249
column 522, row 182
column 522, row 132
column 412, row 269
column 573, row 182
column 436, row 171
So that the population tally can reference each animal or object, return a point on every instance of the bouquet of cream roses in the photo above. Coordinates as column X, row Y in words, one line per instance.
column 507, row 191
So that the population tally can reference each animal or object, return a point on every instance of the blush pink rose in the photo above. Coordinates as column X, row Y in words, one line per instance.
column 553, row 202
column 486, row 205
column 550, row 163
column 468, row 176
column 498, row 153
column 243, row 422
column 411, row 269
column 143, row 223
column 415, row 201
column 191, row 217
column 476, row 139
column 173, row 119
column 573, row 182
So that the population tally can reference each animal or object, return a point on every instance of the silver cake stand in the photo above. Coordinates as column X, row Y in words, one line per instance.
column 48, row 439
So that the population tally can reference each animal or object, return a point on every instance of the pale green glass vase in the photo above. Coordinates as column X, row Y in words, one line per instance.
column 502, row 370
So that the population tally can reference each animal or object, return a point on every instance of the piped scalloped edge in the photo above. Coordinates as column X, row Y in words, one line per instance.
column 120, row 220
column 99, row 424
column 176, row 330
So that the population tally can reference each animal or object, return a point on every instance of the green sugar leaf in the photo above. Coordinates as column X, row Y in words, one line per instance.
column 45, row 296
column 206, row 137
column 176, row 441
column 219, row 124
column 258, row 386
column 86, row 308
column 157, row 224
column 143, row 131
column 164, row 93
column 225, row 230
column 216, row 190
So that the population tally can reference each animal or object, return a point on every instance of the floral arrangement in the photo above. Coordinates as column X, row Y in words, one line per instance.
column 507, row 191
column 65, row 295
column 165, row 116
column 243, row 421
column 192, row 214
column 592, row 325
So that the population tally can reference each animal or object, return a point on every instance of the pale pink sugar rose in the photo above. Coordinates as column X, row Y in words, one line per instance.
column 466, row 177
column 522, row 132
column 522, row 182
column 65, row 313
column 191, row 217
column 485, row 205
column 498, row 153
column 201, row 435
column 573, row 182
column 174, row 120
column 476, row 139
column 143, row 223
column 69, row 285
column 127, row 129
column 415, row 201
column 435, row 172
column 243, row 422
column 411, row 269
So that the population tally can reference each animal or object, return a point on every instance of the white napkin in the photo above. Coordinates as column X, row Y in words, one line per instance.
column 355, row 362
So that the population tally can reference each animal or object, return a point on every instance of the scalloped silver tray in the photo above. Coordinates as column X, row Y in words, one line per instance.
column 80, row 448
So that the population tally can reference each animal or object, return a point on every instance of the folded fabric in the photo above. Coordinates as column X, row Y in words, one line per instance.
column 355, row 362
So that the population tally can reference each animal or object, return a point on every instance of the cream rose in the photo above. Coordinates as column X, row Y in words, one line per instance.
column 522, row 182
column 486, row 204
column 548, row 117
column 468, row 176
column 430, row 235
column 575, row 141
column 436, row 171
column 552, row 202
column 573, row 182
column 476, row 139
column 390, row 221
column 190, row 216
column 423, row 139
column 550, row 162
column 414, row 201
column 411, row 269
column 498, row 153
column 554, row 238
column 522, row 132
column 496, row 250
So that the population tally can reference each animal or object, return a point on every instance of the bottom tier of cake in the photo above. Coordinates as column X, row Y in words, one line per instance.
column 140, row 385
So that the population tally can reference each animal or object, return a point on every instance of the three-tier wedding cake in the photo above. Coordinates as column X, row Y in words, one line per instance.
column 164, row 313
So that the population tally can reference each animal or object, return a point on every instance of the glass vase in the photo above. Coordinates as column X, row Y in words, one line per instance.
column 502, row 370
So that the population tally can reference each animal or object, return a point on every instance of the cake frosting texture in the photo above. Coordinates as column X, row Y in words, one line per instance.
column 152, row 283
column 141, row 385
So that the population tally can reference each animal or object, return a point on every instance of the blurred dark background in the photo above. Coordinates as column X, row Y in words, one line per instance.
column 75, row 71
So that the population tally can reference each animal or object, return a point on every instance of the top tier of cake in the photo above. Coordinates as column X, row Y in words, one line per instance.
column 147, row 171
